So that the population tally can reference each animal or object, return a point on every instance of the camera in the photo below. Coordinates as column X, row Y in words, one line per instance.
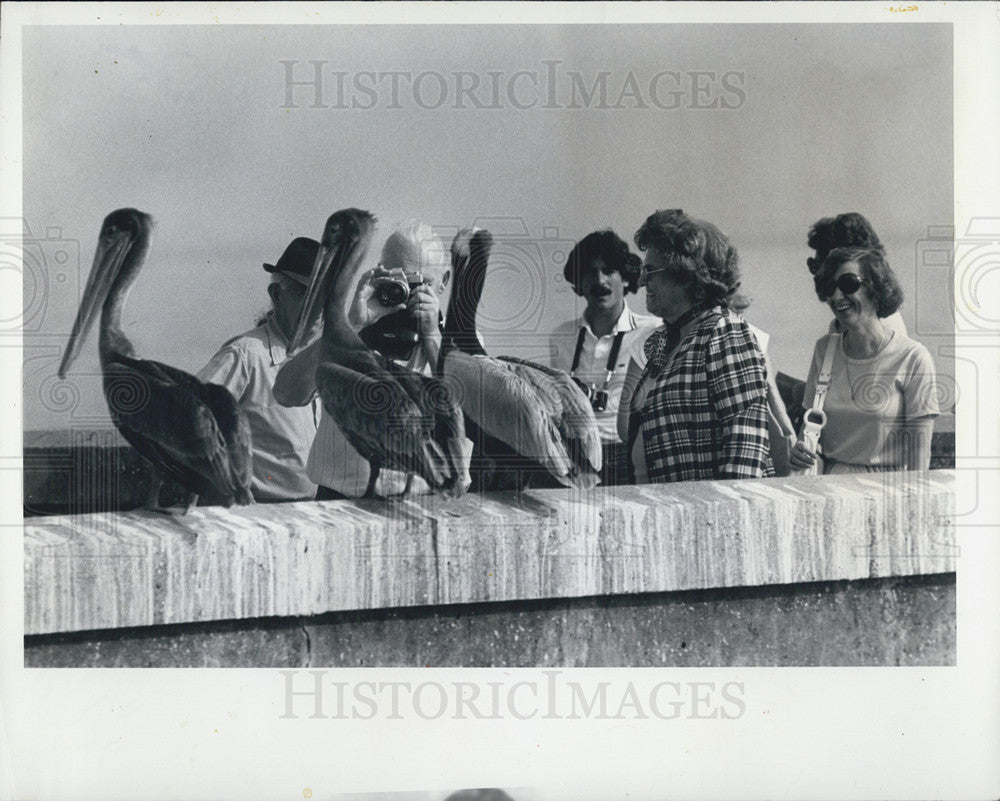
column 394, row 291
column 954, row 277
column 50, row 272
column 526, row 266
column 598, row 397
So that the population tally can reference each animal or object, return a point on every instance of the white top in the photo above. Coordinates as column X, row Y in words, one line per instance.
column 594, row 358
column 870, row 399
column 247, row 366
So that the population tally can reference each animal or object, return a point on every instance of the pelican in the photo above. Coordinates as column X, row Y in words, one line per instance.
column 525, row 410
column 394, row 417
column 191, row 431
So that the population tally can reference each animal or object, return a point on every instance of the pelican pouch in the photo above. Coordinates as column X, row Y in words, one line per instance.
column 394, row 336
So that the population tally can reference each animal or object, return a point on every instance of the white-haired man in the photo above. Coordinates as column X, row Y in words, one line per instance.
column 248, row 365
column 409, row 333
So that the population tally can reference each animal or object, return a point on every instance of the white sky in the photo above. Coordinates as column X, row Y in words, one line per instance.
column 186, row 123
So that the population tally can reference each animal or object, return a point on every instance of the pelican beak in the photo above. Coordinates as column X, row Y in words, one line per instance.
column 108, row 259
column 342, row 248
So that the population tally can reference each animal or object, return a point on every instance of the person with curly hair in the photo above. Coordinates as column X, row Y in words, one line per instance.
column 594, row 348
column 698, row 410
column 880, row 392
column 847, row 230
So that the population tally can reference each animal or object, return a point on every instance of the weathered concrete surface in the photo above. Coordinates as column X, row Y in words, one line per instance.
column 896, row 621
column 140, row 568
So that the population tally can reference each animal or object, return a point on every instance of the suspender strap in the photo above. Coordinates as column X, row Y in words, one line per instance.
column 579, row 349
column 616, row 347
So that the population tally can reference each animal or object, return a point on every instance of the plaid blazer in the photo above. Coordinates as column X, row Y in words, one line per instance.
column 705, row 416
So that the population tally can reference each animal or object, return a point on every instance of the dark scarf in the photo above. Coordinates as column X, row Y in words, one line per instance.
column 661, row 344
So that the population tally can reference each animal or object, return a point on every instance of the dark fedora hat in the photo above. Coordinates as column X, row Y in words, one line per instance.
column 297, row 260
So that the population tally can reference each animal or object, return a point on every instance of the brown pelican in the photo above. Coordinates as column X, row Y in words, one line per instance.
column 394, row 417
column 529, row 413
column 191, row 431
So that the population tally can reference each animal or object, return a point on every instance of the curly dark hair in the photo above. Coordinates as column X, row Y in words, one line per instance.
column 883, row 288
column 610, row 248
column 699, row 254
column 848, row 230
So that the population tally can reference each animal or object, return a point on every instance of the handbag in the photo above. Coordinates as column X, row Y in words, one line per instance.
column 815, row 418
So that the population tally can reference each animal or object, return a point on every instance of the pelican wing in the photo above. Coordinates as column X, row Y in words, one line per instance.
column 163, row 413
column 507, row 407
column 382, row 423
column 442, row 414
column 578, row 423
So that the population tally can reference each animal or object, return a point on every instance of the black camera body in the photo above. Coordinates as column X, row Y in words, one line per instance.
column 598, row 397
column 395, row 291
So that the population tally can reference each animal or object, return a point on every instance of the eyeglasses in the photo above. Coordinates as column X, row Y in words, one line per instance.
column 645, row 272
column 848, row 283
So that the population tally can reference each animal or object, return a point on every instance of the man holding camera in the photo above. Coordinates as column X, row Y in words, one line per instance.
column 397, row 311
column 595, row 348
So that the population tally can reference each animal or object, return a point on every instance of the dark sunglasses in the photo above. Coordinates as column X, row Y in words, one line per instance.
column 848, row 283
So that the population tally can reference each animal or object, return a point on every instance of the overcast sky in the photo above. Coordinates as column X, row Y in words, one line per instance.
column 760, row 129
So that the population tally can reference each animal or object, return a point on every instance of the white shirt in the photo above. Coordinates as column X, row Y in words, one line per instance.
column 869, row 401
column 247, row 366
column 594, row 358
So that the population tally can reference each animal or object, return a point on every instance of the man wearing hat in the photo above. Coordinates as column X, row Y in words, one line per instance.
column 247, row 366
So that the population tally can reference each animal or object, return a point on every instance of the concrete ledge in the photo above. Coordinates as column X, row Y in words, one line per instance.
column 114, row 570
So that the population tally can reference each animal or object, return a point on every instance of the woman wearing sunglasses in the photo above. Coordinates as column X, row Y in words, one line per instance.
column 880, row 400
column 699, row 407
column 847, row 230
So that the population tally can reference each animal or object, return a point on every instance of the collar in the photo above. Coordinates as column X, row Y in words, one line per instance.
column 625, row 322
column 277, row 345
column 689, row 316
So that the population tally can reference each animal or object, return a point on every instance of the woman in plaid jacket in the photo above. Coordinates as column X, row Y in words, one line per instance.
column 699, row 408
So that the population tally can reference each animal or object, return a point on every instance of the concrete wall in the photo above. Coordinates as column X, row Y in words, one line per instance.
column 895, row 621
column 511, row 565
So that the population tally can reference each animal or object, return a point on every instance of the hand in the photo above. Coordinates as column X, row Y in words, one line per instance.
column 801, row 458
column 366, row 308
column 424, row 306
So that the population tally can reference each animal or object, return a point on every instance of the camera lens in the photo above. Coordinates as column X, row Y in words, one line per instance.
column 391, row 292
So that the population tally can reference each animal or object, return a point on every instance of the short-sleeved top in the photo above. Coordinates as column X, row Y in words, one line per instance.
column 247, row 366
column 705, row 415
column 592, row 369
column 869, row 400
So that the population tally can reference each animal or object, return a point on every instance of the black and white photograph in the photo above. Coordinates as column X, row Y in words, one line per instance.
column 575, row 383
